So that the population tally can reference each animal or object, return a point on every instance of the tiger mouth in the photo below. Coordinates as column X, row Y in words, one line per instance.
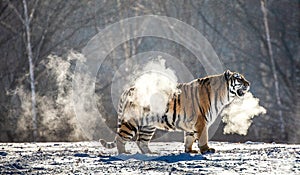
column 240, row 92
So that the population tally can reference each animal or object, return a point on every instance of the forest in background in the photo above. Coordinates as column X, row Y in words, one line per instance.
column 236, row 30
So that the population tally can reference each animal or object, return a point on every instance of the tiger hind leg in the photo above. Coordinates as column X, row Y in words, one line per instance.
column 126, row 132
column 144, row 137
column 121, row 145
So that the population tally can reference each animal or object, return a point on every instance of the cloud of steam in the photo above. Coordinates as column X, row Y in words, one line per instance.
column 59, row 111
column 55, row 110
column 154, row 86
column 239, row 114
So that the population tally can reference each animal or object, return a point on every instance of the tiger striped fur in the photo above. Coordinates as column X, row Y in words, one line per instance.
column 198, row 102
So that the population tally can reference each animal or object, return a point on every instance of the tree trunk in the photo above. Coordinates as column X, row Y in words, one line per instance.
column 276, row 82
column 31, row 70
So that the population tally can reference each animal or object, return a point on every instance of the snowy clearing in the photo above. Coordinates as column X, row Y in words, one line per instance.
column 91, row 158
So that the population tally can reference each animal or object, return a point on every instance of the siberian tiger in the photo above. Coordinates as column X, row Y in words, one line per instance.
column 189, row 110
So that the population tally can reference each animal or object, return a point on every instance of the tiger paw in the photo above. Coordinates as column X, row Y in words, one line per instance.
column 192, row 151
column 125, row 152
column 154, row 152
column 208, row 151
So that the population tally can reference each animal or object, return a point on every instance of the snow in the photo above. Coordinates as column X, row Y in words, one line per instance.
column 91, row 158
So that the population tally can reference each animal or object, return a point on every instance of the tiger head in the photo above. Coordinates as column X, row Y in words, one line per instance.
column 238, row 85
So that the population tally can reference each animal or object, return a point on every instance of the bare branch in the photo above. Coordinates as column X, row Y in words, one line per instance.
column 33, row 10
column 16, row 11
column 9, row 27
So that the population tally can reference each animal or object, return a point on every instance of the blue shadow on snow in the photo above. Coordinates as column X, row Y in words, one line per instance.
column 143, row 157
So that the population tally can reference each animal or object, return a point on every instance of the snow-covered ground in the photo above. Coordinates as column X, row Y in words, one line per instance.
column 91, row 158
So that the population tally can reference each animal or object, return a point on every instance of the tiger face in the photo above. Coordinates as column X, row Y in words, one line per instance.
column 238, row 85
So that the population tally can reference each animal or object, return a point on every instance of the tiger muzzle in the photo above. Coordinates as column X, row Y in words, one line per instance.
column 246, row 88
column 241, row 92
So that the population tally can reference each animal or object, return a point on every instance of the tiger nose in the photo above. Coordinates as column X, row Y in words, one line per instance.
column 245, row 88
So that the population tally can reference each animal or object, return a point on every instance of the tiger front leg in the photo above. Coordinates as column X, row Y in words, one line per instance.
column 203, row 141
column 189, row 140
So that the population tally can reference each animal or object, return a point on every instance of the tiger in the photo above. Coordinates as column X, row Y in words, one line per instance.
column 190, row 110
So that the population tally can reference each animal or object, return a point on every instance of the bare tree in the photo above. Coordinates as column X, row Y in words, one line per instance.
column 26, row 22
column 31, row 67
column 29, row 35
column 274, row 72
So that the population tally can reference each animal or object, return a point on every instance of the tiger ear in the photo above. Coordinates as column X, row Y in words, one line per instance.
column 227, row 74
